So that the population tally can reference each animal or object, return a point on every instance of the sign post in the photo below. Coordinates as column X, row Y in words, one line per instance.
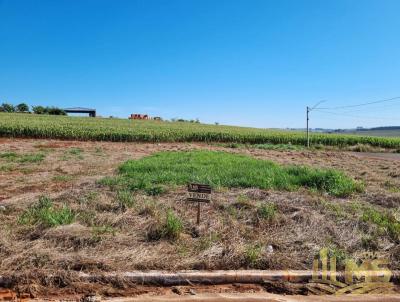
column 199, row 193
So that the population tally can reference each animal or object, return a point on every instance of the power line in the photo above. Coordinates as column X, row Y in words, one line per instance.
column 360, row 105
column 358, row 117
column 371, row 109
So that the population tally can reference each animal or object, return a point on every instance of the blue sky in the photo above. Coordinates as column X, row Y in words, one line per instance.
column 239, row 62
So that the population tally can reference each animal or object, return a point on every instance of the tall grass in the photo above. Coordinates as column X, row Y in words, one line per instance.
column 170, row 228
column 222, row 169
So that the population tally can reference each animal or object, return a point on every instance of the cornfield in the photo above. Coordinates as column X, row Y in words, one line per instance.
column 102, row 129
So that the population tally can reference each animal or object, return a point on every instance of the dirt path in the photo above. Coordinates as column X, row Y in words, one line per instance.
column 255, row 297
column 262, row 298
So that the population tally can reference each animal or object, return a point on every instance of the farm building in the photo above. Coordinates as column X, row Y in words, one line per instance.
column 91, row 112
column 136, row 116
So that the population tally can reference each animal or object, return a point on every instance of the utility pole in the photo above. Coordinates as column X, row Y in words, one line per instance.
column 308, row 109
column 308, row 130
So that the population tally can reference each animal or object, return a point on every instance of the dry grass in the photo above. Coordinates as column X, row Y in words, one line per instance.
column 110, row 229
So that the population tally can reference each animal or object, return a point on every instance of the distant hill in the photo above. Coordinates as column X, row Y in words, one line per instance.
column 391, row 131
column 385, row 128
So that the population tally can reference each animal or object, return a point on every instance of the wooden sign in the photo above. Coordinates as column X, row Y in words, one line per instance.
column 199, row 193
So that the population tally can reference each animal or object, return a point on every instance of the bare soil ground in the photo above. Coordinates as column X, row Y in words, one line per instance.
column 106, row 238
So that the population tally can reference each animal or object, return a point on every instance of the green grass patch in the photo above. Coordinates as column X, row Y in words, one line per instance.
column 32, row 158
column 222, row 169
column 385, row 220
column 23, row 158
column 63, row 178
column 11, row 156
column 75, row 151
column 46, row 214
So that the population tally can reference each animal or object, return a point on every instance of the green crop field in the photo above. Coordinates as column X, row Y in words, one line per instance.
column 124, row 130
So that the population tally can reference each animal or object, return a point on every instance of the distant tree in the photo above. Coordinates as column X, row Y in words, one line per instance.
column 6, row 107
column 39, row 110
column 216, row 123
column 55, row 111
column 23, row 107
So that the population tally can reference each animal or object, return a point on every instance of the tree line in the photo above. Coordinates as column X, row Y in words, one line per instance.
column 24, row 108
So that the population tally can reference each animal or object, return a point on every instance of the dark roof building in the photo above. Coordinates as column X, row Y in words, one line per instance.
column 91, row 112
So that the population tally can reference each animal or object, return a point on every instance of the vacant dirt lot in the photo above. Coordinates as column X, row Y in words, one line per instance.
column 104, row 236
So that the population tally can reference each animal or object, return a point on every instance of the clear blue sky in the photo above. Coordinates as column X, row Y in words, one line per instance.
column 240, row 62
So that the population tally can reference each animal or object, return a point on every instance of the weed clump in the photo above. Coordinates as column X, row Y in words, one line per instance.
column 252, row 255
column 125, row 199
column 171, row 228
column 46, row 214
column 267, row 211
